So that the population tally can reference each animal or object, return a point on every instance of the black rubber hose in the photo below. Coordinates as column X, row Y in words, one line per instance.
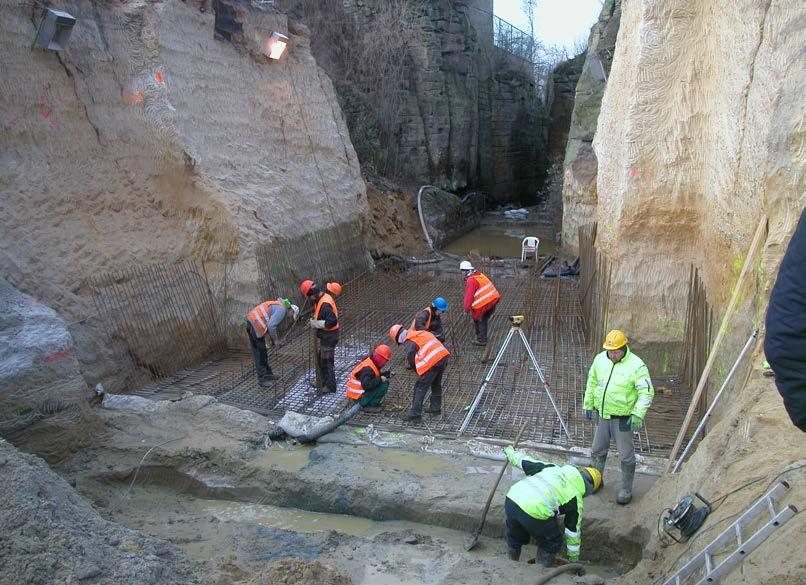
column 559, row 571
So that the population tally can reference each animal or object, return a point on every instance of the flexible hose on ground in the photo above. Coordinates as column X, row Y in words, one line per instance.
column 558, row 571
column 346, row 415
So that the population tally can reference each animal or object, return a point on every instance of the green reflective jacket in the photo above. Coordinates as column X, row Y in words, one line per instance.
column 620, row 389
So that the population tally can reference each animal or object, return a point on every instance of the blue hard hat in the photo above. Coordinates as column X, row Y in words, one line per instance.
column 441, row 304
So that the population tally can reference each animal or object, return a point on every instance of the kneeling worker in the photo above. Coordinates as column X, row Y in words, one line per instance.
column 428, row 357
column 263, row 319
column 367, row 384
column 533, row 504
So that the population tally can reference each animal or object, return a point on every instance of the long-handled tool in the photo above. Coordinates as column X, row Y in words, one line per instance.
column 471, row 544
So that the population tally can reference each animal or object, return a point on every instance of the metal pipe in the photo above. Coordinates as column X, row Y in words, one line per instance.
column 420, row 212
column 715, row 400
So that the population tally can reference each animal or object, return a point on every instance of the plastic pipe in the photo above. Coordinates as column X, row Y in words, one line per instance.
column 420, row 212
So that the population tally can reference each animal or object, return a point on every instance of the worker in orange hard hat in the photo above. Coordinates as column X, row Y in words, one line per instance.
column 262, row 324
column 367, row 383
column 325, row 321
column 334, row 289
column 620, row 392
column 480, row 300
column 428, row 357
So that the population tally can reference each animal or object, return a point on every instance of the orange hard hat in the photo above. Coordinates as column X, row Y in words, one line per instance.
column 384, row 351
column 394, row 330
column 306, row 286
column 334, row 288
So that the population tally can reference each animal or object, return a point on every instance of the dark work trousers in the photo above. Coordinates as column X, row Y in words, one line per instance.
column 327, row 358
column 482, row 325
column 431, row 379
column 259, row 353
column 521, row 526
column 375, row 396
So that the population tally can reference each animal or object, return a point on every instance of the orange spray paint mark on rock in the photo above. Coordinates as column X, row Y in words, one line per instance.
column 131, row 99
column 54, row 357
column 159, row 77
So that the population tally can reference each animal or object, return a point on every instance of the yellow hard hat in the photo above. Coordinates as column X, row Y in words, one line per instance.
column 596, row 477
column 615, row 340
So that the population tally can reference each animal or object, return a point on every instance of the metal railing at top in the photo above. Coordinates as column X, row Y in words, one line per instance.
column 513, row 40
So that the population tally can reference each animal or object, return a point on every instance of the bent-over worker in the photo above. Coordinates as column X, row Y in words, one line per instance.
column 260, row 321
column 367, row 383
column 620, row 391
column 429, row 319
column 480, row 300
column 533, row 504
column 428, row 357
column 325, row 321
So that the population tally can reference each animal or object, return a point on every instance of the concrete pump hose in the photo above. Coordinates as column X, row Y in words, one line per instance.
column 347, row 415
column 576, row 567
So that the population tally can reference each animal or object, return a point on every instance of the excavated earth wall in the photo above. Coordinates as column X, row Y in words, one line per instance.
column 152, row 139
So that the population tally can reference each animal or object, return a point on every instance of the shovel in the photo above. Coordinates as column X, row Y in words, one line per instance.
column 471, row 544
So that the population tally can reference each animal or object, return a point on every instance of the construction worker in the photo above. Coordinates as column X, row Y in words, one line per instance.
column 428, row 357
column 367, row 383
column 263, row 319
column 533, row 504
column 620, row 392
column 325, row 321
column 481, row 297
column 429, row 319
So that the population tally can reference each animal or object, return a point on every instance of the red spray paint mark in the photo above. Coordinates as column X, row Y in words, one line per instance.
column 159, row 77
column 54, row 357
column 132, row 98
column 44, row 108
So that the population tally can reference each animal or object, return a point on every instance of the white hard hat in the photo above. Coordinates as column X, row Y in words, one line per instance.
column 465, row 265
column 294, row 312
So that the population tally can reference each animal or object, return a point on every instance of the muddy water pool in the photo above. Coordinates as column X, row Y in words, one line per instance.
column 501, row 240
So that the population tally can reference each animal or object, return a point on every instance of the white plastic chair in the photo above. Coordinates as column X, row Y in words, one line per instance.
column 529, row 245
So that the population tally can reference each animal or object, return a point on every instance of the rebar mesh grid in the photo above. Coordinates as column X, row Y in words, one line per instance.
column 373, row 302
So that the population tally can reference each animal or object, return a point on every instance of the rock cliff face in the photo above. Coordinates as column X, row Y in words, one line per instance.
column 701, row 132
column 580, row 167
column 154, row 137
column 449, row 109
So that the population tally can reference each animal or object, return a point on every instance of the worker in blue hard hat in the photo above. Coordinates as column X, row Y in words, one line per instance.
column 429, row 319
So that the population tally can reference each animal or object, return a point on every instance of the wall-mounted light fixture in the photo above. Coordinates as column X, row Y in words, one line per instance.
column 276, row 45
column 54, row 30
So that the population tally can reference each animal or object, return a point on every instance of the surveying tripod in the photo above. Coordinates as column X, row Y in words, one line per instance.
column 516, row 326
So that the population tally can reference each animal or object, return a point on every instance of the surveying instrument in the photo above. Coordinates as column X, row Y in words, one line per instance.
column 516, row 321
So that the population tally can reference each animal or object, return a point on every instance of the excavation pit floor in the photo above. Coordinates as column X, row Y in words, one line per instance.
column 381, row 508
column 515, row 393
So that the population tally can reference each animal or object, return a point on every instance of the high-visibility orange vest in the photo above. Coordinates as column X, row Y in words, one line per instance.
column 430, row 350
column 485, row 294
column 427, row 321
column 326, row 298
column 259, row 317
column 354, row 388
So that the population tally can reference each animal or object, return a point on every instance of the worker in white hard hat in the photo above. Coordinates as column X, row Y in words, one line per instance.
column 261, row 322
column 481, row 297
column 619, row 392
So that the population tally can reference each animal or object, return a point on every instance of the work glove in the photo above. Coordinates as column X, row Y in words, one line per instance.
column 295, row 312
column 384, row 379
column 511, row 455
column 588, row 414
column 317, row 323
column 636, row 422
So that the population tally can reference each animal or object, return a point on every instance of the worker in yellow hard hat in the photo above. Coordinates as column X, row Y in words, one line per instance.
column 533, row 504
column 619, row 392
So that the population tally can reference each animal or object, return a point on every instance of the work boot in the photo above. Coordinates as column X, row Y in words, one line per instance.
column 514, row 554
column 478, row 342
column 545, row 558
column 412, row 416
column 598, row 462
column 625, row 493
column 435, row 406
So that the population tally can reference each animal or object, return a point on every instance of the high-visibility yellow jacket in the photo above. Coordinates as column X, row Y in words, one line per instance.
column 620, row 389
column 551, row 490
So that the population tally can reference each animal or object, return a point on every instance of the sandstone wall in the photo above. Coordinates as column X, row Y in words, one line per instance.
column 580, row 167
column 701, row 132
column 150, row 140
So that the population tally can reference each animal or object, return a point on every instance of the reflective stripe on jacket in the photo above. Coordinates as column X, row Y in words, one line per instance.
column 541, row 495
column 430, row 350
column 485, row 294
column 259, row 317
column 620, row 389
column 354, row 388
column 326, row 299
